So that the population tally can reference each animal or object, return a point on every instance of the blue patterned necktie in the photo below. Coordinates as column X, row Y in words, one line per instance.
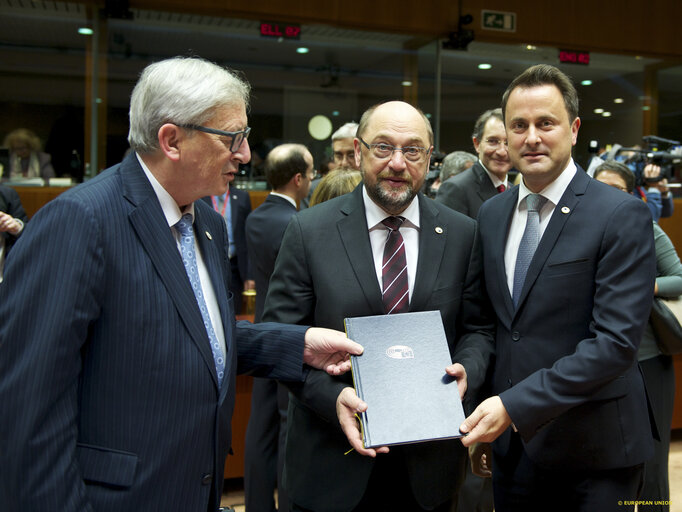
column 189, row 259
column 529, row 242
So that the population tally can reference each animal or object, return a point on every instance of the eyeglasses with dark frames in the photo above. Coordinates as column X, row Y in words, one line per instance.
column 383, row 151
column 236, row 138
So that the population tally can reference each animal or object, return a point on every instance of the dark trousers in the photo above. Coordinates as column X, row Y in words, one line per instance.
column 264, row 447
column 388, row 489
column 520, row 485
column 475, row 495
column 659, row 377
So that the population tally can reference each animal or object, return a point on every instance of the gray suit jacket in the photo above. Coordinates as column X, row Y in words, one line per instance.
column 466, row 191
column 325, row 273
column 106, row 368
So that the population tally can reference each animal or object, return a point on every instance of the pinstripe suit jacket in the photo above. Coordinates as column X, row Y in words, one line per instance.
column 106, row 370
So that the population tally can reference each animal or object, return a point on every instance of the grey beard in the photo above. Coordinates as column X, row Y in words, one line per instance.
column 390, row 203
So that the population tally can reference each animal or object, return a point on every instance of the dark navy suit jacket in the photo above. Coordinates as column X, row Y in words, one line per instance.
column 566, row 357
column 264, row 231
column 325, row 273
column 106, row 369
column 466, row 191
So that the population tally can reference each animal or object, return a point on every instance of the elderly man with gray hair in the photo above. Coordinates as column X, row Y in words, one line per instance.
column 118, row 338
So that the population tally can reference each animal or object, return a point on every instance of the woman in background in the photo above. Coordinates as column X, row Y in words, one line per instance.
column 657, row 368
column 341, row 180
column 26, row 158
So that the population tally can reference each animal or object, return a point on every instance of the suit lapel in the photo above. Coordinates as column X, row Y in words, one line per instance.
column 507, row 205
column 486, row 189
column 432, row 238
column 150, row 224
column 567, row 204
column 355, row 238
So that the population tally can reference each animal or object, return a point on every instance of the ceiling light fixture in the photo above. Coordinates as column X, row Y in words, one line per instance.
column 85, row 31
column 485, row 66
column 586, row 82
column 618, row 100
column 598, row 110
column 606, row 114
column 302, row 49
column 406, row 83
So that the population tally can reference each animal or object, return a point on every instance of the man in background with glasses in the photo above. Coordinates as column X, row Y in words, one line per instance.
column 118, row 338
column 467, row 191
column 329, row 268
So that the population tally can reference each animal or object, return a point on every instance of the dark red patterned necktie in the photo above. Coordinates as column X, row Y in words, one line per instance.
column 394, row 269
column 501, row 188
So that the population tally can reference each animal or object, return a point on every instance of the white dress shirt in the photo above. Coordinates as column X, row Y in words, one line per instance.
column 172, row 212
column 553, row 193
column 378, row 233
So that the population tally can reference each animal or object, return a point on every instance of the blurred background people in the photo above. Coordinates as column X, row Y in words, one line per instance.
column 451, row 165
column 289, row 170
column 657, row 368
column 466, row 191
column 343, row 155
column 12, row 220
column 235, row 206
column 26, row 158
column 338, row 182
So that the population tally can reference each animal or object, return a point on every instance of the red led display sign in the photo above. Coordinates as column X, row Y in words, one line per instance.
column 285, row 30
column 574, row 57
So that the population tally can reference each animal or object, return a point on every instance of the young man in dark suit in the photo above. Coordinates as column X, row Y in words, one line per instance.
column 118, row 337
column 466, row 191
column 329, row 268
column 289, row 171
column 569, row 267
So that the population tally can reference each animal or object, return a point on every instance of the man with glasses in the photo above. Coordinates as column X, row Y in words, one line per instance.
column 329, row 268
column 118, row 338
column 467, row 191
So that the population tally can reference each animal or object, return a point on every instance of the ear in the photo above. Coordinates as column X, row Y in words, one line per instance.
column 477, row 143
column 358, row 152
column 298, row 178
column 170, row 136
column 574, row 130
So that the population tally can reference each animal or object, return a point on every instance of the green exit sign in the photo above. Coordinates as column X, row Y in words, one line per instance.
column 496, row 20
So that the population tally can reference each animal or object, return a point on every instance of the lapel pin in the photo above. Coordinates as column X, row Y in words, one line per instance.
column 439, row 230
column 208, row 235
column 565, row 209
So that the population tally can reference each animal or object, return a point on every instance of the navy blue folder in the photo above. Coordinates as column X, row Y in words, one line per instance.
column 401, row 375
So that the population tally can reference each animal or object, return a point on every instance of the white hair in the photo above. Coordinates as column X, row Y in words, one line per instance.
column 347, row 131
column 180, row 90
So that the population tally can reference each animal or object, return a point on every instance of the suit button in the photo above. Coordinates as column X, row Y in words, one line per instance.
column 509, row 381
column 207, row 479
column 516, row 336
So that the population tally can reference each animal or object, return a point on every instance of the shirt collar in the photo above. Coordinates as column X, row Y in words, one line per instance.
column 555, row 190
column 496, row 181
column 285, row 197
column 170, row 208
column 375, row 214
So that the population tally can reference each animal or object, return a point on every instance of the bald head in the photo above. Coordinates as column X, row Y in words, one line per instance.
column 286, row 161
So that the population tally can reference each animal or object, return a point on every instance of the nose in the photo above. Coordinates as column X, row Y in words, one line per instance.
column 533, row 136
column 243, row 153
column 397, row 161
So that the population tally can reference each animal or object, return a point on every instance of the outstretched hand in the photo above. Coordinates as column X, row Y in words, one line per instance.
column 329, row 350
column 348, row 404
column 486, row 423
